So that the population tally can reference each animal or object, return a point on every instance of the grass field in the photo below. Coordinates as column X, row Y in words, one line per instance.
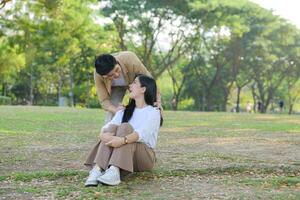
column 200, row 156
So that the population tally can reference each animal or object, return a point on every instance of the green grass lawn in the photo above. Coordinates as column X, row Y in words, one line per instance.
column 200, row 156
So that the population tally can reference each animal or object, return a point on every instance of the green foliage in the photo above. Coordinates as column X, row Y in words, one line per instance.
column 5, row 100
column 165, row 85
column 47, row 49
column 186, row 104
column 59, row 40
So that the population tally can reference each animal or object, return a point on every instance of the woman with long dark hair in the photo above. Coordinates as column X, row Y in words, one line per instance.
column 127, row 142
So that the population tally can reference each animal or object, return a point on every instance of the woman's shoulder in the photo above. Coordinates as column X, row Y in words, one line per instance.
column 120, row 112
column 153, row 110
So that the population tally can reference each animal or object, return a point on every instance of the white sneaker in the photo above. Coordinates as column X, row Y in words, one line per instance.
column 93, row 175
column 111, row 176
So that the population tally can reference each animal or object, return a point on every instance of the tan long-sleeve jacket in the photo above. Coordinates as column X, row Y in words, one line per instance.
column 130, row 64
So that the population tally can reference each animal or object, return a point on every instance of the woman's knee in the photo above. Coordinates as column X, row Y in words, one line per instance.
column 124, row 129
column 112, row 128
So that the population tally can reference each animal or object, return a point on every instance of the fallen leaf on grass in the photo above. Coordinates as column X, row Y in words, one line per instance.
column 97, row 195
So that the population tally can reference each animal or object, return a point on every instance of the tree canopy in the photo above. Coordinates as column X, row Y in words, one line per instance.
column 209, row 50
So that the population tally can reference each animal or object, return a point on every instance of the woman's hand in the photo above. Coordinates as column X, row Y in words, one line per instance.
column 115, row 142
column 106, row 137
column 159, row 106
column 119, row 107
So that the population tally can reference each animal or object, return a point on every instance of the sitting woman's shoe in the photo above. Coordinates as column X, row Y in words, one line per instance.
column 111, row 176
column 94, row 174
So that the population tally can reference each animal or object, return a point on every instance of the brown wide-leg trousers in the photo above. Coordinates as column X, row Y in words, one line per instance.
column 134, row 157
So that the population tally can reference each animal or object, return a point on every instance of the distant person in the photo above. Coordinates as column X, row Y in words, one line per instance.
column 281, row 105
column 128, row 141
column 173, row 103
column 248, row 107
column 113, row 74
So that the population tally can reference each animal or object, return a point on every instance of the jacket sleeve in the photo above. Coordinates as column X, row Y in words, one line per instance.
column 102, row 92
column 139, row 68
column 136, row 63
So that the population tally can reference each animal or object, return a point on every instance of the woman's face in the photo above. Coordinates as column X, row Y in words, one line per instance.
column 135, row 89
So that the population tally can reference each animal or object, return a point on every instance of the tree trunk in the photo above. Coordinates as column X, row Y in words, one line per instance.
column 71, row 93
column 47, row 96
column 263, row 108
column 174, row 103
column 238, row 99
column 121, row 29
column 254, row 98
column 197, row 103
column 31, row 96
column 224, row 103
column 59, row 90
column 202, row 100
column 291, row 109
column 4, row 89
column 208, row 100
column 88, row 85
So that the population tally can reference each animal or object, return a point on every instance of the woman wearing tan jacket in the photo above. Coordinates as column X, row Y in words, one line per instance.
column 113, row 74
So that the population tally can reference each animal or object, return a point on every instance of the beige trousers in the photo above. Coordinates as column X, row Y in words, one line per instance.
column 134, row 157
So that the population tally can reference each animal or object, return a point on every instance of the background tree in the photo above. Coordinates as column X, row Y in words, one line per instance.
column 139, row 25
column 202, row 51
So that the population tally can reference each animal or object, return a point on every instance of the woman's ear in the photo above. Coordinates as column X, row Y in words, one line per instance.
column 144, row 89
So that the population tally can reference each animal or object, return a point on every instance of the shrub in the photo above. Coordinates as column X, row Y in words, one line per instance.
column 5, row 100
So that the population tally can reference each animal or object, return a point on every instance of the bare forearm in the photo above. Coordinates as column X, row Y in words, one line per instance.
column 133, row 137
column 108, row 106
column 116, row 141
column 113, row 109
column 106, row 137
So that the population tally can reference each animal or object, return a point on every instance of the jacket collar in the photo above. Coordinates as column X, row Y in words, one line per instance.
column 124, row 70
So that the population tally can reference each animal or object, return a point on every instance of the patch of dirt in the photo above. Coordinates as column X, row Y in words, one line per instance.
column 268, row 148
column 174, row 151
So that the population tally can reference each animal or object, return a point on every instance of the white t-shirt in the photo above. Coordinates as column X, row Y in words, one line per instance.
column 145, row 122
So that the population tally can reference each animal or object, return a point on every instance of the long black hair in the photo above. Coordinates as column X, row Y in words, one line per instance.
column 149, row 95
